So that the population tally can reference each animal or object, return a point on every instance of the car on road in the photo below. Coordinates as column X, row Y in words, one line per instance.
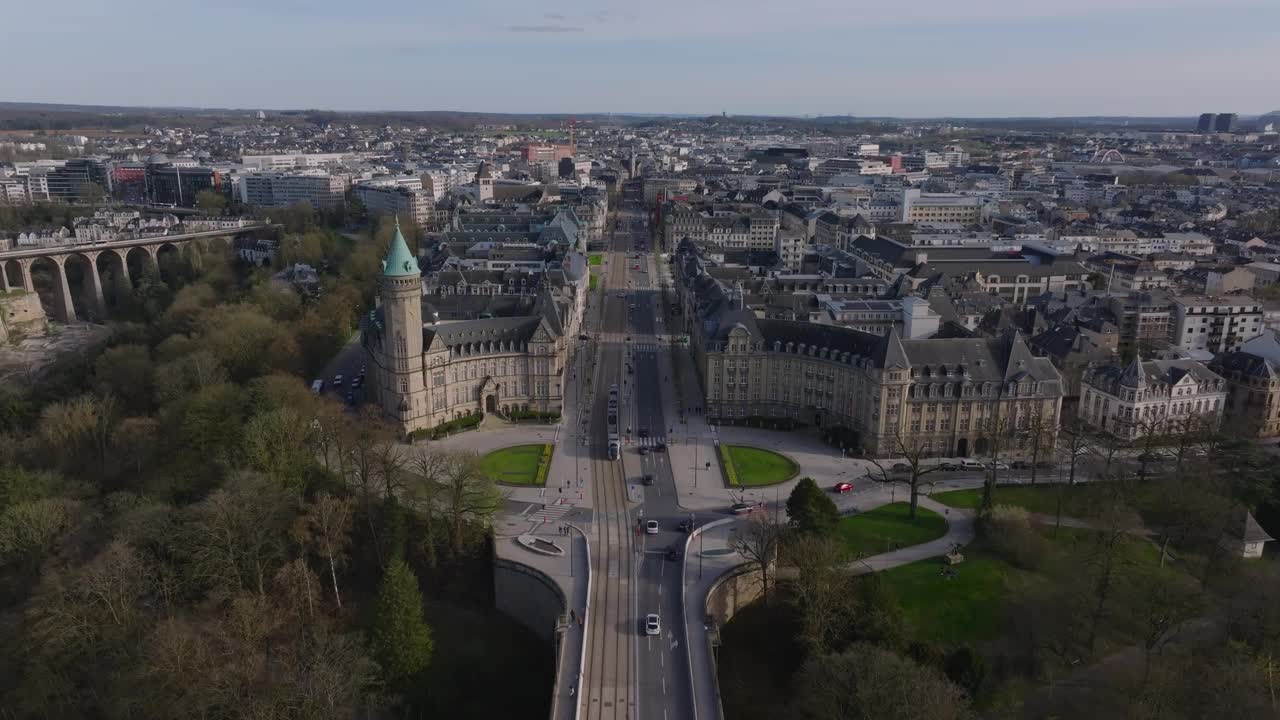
column 646, row 480
column 1020, row 465
column 644, row 432
column 998, row 466
column 685, row 526
column 743, row 508
column 660, row 447
column 843, row 487
column 652, row 624
column 651, row 527
column 317, row 386
column 900, row 468
column 364, row 370
column 673, row 553
column 337, row 381
column 643, row 450
column 357, row 381
column 972, row 465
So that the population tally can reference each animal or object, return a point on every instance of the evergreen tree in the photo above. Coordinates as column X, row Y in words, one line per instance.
column 811, row 510
column 401, row 637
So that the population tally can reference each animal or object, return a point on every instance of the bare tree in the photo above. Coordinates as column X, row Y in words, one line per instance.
column 1107, row 558
column 822, row 588
column 758, row 541
column 913, row 453
column 1040, row 433
column 468, row 497
column 329, row 521
column 1076, row 444
column 424, row 497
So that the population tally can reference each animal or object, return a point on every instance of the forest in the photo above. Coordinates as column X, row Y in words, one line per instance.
column 186, row 530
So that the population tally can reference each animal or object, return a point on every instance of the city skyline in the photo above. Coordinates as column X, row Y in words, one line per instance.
column 988, row 59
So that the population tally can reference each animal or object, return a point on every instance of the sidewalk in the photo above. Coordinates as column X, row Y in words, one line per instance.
column 571, row 572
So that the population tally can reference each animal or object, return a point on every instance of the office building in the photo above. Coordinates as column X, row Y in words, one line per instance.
column 1205, row 125
column 179, row 186
column 319, row 190
column 1225, row 123
column 1151, row 397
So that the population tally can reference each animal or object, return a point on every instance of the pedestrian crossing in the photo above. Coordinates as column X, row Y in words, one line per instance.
column 550, row 513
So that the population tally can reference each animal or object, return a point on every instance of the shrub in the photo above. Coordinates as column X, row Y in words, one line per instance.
column 727, row 462
column 549, row 416
column 544, row 465
column 1011, row 535
column 466, row 422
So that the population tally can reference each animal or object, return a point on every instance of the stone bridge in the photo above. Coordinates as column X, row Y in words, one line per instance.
column 16, row 264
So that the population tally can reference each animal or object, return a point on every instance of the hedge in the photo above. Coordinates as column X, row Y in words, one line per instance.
column 762, row 421
column 727, row 463
column 466, row 422
column 544, row 466
column 549, row 416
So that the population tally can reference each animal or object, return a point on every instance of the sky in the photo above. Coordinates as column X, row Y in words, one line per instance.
column 916, row 58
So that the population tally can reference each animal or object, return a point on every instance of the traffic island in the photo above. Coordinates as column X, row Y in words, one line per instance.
column 519, row 465
column 746, row 466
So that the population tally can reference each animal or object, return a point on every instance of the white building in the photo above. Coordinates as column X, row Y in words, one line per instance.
column 1156, row 396
column 292, row 160
column 317, row 189
column 400, row 201
column 1205, row 326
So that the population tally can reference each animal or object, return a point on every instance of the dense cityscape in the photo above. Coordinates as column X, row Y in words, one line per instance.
column 338, row 414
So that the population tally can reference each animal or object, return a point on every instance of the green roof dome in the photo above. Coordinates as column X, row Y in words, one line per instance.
column 399, row 261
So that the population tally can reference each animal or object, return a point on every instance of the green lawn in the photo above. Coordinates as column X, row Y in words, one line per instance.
column 595, row 259
column 967, row 608
column 593, row 282
column 963, row 608
column 887, row 528
column 754, row 467
column 1077, row 500
column 517, row 465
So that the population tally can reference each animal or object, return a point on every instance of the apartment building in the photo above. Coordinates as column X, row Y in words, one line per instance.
column 319, row 190
column 1143, row 318
column 1153, row 396
column 940, row 208
column 401, row 201
column 721, row 226
column 1209, row 325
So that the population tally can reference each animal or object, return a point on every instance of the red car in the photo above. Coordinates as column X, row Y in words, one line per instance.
column 843, row 487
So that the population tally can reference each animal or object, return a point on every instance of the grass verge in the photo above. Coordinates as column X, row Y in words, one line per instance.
column 524, row 465
column 888, row 528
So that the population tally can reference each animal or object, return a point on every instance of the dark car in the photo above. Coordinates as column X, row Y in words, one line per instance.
column 673, row 553
column 644, row 450
column 660, row 447
column 685, row 526
column 742, row 508
column 1020, row 465
column 644, row 432
column 646, row 480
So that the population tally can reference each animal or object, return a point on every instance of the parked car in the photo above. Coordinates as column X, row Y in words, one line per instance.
column 968, row 464
column 652, row 624
column 742, row 508
column 843, row 487
column 950, row 466
column 651, row 527
column 998, row 466
column 900, row 468
column 1020, row 465
column 646, row 480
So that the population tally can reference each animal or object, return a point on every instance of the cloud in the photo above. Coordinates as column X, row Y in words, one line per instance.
column 545, row 29
column 554, row 16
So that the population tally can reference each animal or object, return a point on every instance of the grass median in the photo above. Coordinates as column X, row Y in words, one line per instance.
column 522, row 465
column 756, row 467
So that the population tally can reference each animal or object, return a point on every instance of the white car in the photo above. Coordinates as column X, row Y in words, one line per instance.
column 337, row 381
column 651, row 527
column 652, row 625
column 998, row 466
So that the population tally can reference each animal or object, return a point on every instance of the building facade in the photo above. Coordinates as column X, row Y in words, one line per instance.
column 427, row 374
column 1155, row 396
column 1214, row 324
column 319, row 190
